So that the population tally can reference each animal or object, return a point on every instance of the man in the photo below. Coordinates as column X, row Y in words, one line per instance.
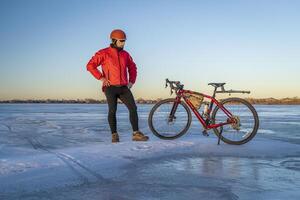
column 115, row 63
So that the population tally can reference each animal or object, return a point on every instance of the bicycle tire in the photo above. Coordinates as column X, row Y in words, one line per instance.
column 255, row 117
column 157, row 105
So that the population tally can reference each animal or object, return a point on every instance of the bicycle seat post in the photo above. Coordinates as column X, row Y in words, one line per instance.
column 216, row 86
column 214, row 94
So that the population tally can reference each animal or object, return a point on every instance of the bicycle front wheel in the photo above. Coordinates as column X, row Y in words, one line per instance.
column 167, row 125
column 245, row 117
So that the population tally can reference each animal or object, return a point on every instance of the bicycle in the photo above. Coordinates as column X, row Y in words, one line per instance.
column 233, row 120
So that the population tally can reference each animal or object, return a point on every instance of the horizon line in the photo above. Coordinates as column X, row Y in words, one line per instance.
column 139, row 98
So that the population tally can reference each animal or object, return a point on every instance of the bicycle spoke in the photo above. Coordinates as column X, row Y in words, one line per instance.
column 240, row 131
column 168, row 127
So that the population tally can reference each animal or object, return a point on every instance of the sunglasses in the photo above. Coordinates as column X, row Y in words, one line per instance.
column 122, row 40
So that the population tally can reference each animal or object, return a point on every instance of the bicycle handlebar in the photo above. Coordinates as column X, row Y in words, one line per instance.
column 174, row 85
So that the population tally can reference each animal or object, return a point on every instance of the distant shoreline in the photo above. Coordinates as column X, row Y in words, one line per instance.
column 263, row 101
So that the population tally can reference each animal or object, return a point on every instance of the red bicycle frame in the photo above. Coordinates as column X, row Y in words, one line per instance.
column 182, row 94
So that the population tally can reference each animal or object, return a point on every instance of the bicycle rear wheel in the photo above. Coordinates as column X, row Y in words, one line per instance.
column 166, row 127
column 246, row 118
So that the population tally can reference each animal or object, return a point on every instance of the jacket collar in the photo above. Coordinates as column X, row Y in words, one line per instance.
column 113, row 48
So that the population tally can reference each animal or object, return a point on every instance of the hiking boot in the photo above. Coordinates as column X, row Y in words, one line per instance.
column 139, row 136
column 115, row 138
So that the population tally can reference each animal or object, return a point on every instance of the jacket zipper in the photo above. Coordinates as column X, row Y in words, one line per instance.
column 119, row 66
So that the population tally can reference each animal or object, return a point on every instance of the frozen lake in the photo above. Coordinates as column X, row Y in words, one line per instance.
column 63, row 151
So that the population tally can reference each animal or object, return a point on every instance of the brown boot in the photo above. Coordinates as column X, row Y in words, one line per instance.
column 115, row 138
column 139, row 136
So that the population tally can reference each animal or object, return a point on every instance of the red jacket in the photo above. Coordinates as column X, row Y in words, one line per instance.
column 114, row 66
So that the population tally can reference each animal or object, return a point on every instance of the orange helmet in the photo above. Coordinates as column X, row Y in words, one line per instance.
column 118, row 34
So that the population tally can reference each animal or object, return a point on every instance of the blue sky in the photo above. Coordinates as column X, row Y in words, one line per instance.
column 253, row 45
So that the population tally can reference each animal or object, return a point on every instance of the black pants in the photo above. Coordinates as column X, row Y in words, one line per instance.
column 112, row 94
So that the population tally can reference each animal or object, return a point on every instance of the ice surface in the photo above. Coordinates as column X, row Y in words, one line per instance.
column 59, row 151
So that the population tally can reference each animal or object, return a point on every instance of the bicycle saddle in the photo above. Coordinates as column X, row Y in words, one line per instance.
column 217, row 84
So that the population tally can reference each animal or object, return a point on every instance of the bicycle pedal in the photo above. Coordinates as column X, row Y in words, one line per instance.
column 205, row 133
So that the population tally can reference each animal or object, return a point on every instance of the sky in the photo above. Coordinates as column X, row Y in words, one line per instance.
column 251, row 45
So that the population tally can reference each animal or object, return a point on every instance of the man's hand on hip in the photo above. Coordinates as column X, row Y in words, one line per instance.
column 105, row 81
column 129, row 85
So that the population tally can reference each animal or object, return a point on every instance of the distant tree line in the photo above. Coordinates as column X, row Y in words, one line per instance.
column 273, row 101
column 72, row 101
column 268, row 101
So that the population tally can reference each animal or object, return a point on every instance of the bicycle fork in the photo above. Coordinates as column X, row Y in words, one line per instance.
column 173, row 110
